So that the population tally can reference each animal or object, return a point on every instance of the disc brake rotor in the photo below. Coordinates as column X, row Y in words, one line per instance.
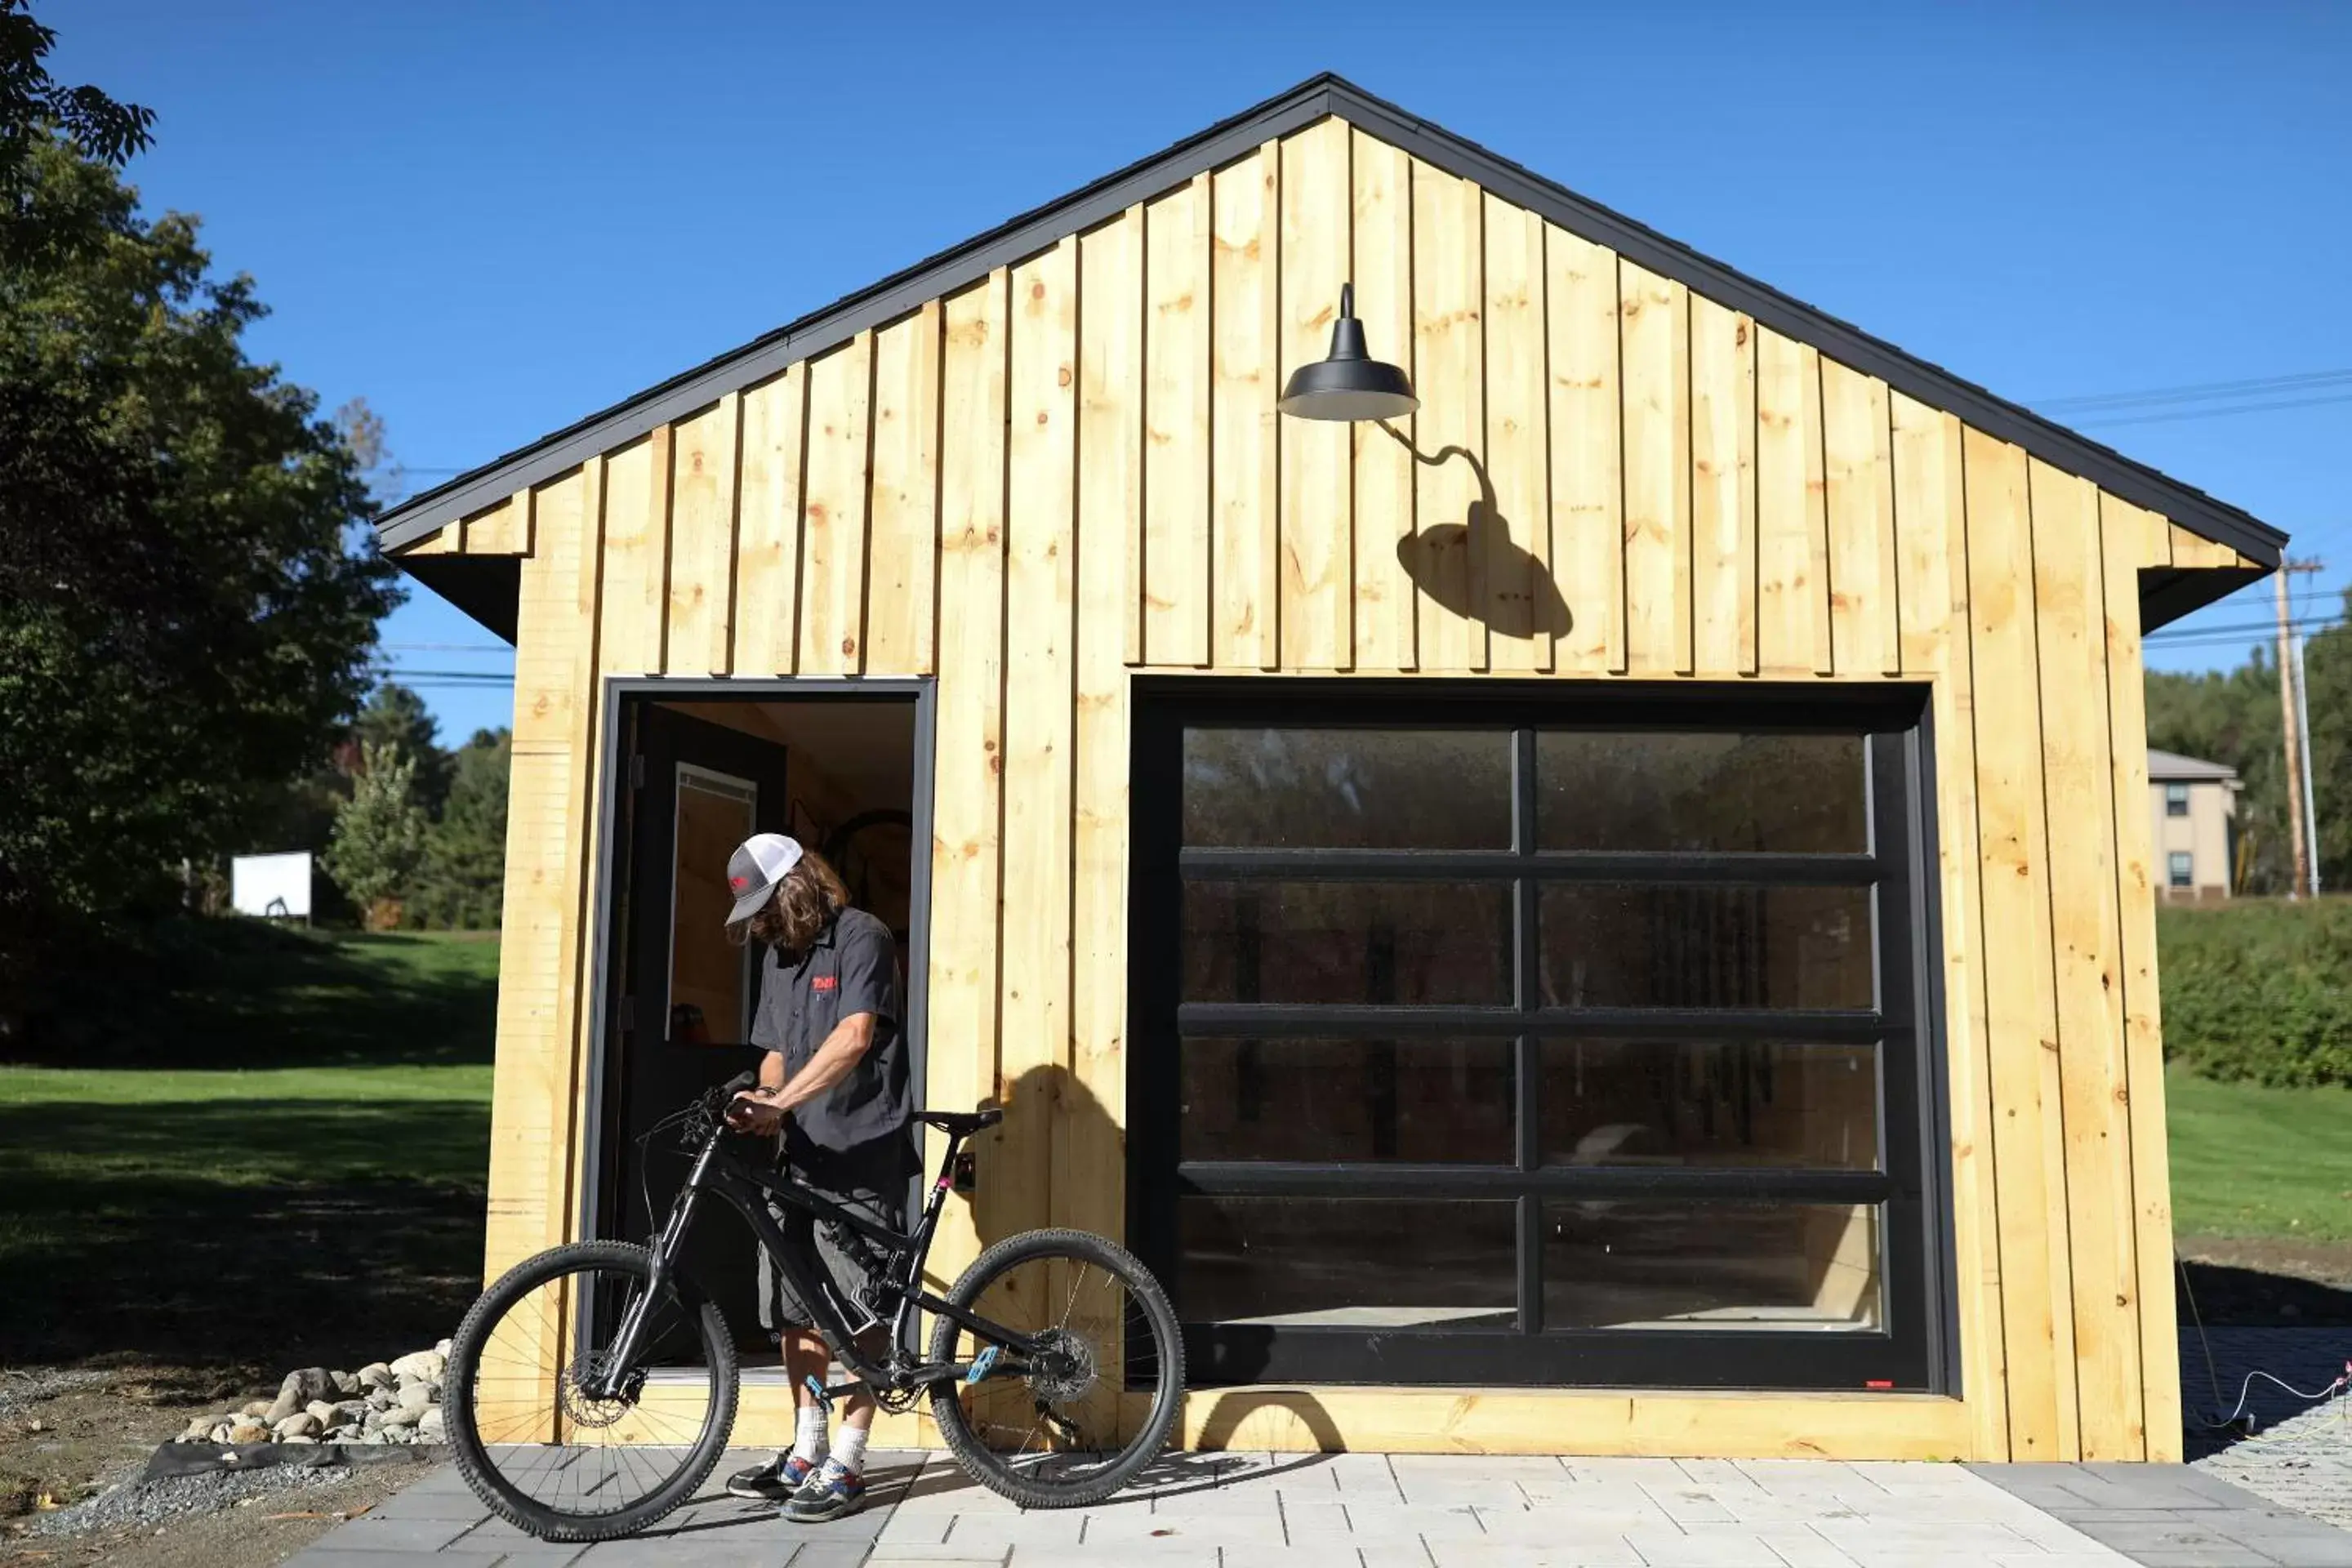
column 582, row 1408
column 1062, row 1368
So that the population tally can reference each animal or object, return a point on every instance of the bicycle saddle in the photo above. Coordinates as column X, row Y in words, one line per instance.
column 961, row 1123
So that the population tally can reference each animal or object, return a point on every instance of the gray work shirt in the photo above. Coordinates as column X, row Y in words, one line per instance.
column 851, row 967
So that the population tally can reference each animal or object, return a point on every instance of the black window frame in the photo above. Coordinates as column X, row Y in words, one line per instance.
column 2176, row 799
column 1912, row 1348
column 2179, row 869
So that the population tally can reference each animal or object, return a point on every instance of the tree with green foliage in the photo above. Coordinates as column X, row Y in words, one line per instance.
column 33, row 108
column 187, row 599
column 378, row 841
column 396, row 717
column 462, row 884
column 2233, row 717
column 2328, row 670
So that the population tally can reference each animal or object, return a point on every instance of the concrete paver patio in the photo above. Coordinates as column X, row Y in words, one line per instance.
column 1371, row 1511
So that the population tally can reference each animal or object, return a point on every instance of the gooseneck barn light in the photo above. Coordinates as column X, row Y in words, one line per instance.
column 1349, row 383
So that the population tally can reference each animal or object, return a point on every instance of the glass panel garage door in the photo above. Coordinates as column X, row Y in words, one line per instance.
column 1535, row 1038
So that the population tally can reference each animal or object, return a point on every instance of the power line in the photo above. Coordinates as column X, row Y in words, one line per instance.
column 446, row 647
column 2217, row 412
column 462, row 676
column 2317, row 622
column 2201, row 392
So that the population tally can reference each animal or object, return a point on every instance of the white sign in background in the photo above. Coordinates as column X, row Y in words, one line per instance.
column 273, row 885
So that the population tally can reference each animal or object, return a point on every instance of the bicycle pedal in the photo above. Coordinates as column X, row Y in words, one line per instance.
column 983, row 1364
column 823, row 1395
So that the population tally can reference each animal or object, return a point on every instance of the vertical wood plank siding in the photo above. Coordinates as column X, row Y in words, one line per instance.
column 1074, row 470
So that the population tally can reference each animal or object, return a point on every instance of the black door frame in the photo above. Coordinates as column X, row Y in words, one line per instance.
column 1914, row 1350
column 617, row 700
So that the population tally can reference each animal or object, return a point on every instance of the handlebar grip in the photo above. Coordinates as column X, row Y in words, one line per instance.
column 739, row 1082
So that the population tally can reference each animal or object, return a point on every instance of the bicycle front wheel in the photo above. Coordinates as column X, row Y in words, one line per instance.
column 1077, row 1419
column 552, row 1437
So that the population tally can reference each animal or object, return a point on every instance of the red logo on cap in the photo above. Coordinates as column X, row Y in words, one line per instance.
column 739, row 883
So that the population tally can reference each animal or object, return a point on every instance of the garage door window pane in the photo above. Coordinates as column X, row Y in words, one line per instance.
column 1428, row 1102
column 1632, row 1265
column 1633, row 791
column 1610, row 945
column 1392, row 1263
column 1710, row 1103
column 1347, row 789
column 1348, row 943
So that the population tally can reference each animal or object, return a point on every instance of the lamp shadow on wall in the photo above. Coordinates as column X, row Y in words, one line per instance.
column 1457, row 564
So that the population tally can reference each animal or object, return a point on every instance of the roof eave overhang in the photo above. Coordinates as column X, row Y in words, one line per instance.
column 1277, row 117
column 2168, row 593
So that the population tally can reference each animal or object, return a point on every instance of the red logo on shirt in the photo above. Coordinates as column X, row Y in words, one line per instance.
column 825, row 982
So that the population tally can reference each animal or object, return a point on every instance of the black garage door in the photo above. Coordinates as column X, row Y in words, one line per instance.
column 1520, row 1036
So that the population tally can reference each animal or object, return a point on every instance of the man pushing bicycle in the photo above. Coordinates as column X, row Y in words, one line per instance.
column 835, row 1081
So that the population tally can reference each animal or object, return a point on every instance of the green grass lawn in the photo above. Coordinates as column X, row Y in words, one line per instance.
column 2254, row 1162
column 283, row 1161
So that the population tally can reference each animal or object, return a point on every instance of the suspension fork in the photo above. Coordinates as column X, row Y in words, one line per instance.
column 618, row 1369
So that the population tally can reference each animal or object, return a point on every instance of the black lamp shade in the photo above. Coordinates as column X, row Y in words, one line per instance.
column 1349, row 383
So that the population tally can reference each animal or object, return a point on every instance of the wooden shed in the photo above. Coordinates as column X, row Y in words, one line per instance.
column 1609, row 916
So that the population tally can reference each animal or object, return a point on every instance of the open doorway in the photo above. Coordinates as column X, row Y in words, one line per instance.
column 843, row 769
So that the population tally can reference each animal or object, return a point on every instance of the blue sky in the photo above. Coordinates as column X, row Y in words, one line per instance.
column 491, row 219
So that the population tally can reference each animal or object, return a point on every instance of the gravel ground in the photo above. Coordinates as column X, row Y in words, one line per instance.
column 21, row 1387
column 2300, row 1454
column 136, row 1504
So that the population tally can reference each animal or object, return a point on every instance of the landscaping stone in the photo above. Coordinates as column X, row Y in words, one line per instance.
column 383, row 1402
column 299, row 1388
column 433, row 1426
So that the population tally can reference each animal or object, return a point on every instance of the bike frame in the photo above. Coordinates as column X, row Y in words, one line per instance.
column 718, row 1173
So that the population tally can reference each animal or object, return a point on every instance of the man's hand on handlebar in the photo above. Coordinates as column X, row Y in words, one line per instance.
column 755, row 1110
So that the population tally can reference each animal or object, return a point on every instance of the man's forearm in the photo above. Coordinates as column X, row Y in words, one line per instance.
column 771, row 1070
column 830, row 1065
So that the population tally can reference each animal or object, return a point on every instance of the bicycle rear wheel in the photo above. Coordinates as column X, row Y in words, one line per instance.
column 1073, row 1424
column 540, row 1448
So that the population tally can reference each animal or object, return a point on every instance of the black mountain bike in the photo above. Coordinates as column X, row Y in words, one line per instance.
column 1055, row 1369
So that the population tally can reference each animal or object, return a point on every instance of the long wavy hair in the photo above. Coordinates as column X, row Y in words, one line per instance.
column 807, row 898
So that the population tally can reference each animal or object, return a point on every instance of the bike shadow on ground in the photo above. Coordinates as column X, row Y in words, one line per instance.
column 1248, row 1415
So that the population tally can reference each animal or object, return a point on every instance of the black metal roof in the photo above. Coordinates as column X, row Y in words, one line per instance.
column 1222, row 143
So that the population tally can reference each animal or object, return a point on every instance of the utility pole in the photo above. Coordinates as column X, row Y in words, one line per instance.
column 2291, row 713
column 2303, row 726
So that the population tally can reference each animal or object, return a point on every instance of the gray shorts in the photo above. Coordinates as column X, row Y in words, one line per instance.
column 868, row 1181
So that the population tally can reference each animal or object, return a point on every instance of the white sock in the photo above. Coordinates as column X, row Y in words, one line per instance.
column 849, row 1453
column 809, row 1441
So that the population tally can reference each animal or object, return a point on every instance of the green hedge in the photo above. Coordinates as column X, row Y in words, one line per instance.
column 2259, row 990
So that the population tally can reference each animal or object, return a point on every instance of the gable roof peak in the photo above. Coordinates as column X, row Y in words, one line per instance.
column 1320, row 96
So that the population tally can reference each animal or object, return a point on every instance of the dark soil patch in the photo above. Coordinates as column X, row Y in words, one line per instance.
column 2267, row 1281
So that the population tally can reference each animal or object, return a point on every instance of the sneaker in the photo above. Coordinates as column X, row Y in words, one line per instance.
column 771, row 1482
column 833, row 1492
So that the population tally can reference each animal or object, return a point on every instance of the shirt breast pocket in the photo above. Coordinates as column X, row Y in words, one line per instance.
column 822, row 1004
